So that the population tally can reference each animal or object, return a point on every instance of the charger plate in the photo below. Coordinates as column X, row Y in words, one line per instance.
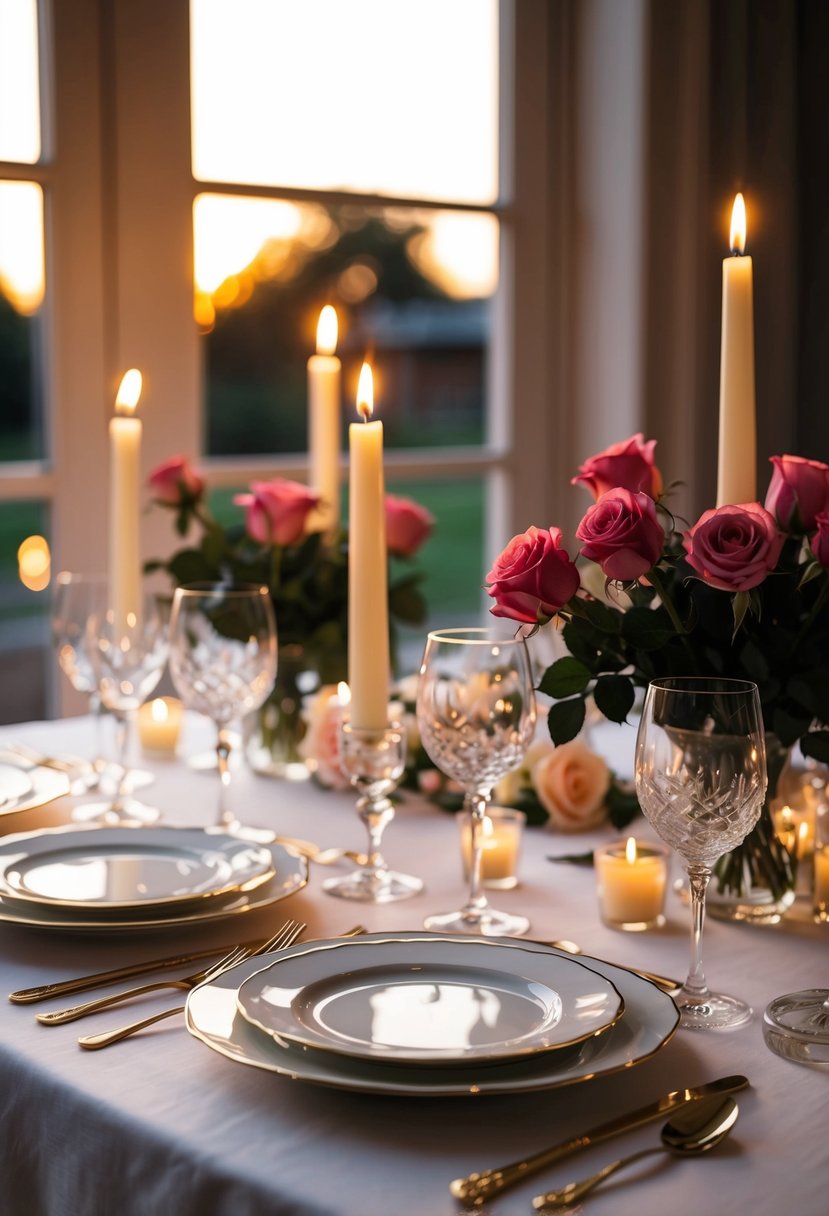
column 23, row 786
column 110, row 870
column 650, row 1020
column 429, row 1001
column 290, row 874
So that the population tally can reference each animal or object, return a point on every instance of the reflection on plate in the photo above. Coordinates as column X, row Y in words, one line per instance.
column 114, row 869
column 24, row 786
column 650, row 1020
column 429, row 1001
column 290, row 874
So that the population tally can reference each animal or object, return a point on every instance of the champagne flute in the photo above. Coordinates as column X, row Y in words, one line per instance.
column 701, row 780
column 476, row 714
column 128, row 656
column 223, row 660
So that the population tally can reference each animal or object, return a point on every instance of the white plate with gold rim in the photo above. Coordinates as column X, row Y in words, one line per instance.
column 650, row 1020
column 289, row 875
column 432, row 1001
column 23, row 786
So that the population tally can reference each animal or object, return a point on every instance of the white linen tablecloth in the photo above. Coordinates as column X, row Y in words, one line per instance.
column 160, row 1124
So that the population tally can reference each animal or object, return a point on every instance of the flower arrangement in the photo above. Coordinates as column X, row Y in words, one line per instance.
column 741, row 593
column 307, row 573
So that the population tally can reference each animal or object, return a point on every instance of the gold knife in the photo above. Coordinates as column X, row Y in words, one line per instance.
column 476, row 1189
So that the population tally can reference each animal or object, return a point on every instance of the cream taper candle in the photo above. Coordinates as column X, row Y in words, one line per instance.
column 737, row 464
column 368, row 621
column 124, row 510
column 324, row 424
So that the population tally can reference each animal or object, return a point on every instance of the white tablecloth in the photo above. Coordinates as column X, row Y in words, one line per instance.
column 160, row 1124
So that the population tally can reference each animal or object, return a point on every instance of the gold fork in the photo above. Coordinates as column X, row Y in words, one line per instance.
column 285, row 937
column 59, row 1017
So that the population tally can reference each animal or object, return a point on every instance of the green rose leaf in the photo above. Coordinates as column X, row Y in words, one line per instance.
column 565, row 719
column 614, row 696
column 815, row 743
column 607, row 620
column 191, row 566
column 564, row 678
column 647, row 628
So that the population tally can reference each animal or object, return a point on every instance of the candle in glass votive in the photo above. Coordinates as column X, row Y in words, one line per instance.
column 159, row 725
column 632, row 880
column 500, row 846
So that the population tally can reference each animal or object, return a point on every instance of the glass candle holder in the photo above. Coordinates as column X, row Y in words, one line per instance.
column 501, row 835
column 159, row 726
column 632, row 879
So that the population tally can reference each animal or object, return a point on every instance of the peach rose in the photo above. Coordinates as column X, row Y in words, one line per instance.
column 571, row 783
column 320, row 747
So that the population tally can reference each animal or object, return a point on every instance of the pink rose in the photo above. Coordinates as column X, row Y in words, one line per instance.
column 571, row 783
column 533, row 577
column 628, row 464
column 276, row 511
column 820, row 540
column 622, row 533
column 175, row 482
column 408, row 525
column 320, row 745
column 734, row 548
column 798, row 492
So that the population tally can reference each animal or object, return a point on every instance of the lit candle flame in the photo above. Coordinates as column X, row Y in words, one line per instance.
column 327, row 331
column 129, row 391
column 630, row 850
column 365, row 393
column 737, row 239
column 343, row 693
column 159, row 711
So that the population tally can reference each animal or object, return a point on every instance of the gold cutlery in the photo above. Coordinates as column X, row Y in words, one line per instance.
column 281, row 940
column 58, row 1017
column 477, row 1188
column 694, row 1130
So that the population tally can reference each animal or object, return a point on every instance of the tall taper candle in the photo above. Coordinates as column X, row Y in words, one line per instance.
column 368, row 620
column 737, row 465
column 324, row 424
column 124, row 503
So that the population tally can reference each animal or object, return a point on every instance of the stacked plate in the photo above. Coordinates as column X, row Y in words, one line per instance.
column 418, row 1014
column 25, row 785
column 91, row 878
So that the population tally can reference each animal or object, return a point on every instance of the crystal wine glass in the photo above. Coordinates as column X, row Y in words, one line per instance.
column 701, row 780
column 78, row 597
column 128, row 657
column 223, row 660
column 476, row 713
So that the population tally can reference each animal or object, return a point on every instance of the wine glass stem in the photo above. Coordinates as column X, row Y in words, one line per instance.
column 121, row 740
column 695, row 985
column 376, row 813
column 223, row 746
column 476, row 803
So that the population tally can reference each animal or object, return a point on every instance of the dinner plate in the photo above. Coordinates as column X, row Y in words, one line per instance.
column 649, row 1022
column 125, row 869
column 433, row 1001
column 24, row 786
column 290, row 874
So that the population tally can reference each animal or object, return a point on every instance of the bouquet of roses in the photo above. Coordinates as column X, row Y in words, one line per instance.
column 307, row 572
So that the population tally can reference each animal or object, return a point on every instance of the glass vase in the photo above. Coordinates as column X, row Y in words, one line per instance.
column 755, row 882
column 273, row 734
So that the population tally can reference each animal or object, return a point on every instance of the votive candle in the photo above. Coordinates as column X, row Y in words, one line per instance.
column 632, row 879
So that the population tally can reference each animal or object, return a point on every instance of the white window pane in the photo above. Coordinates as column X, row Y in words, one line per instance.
column 390, row 97
column 19, row 96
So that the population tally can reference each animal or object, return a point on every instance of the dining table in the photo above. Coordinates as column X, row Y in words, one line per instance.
column 159, row 1123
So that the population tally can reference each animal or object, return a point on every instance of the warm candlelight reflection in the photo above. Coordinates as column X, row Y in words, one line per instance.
column 34, row 563
column 327, row 331
column 737, row 239
column 365, row 392
column 129, row 392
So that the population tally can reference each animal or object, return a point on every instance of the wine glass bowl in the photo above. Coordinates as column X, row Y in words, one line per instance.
column 476, row 715
column 223, row 659
column 701, row 780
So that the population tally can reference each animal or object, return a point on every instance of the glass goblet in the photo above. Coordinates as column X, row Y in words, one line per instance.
column 78, row 597
column 476, row 714
column 128, row 657
column 701, row 780
column 223, row 661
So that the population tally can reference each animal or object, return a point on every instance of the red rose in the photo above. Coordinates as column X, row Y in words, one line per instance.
column 798, row 492
column 622, row 533
column 276, row 511
column 734, row 548
column 628, row 464
column 408, row 525
column 533, row 577
column 820, row 540
column 175, row 482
